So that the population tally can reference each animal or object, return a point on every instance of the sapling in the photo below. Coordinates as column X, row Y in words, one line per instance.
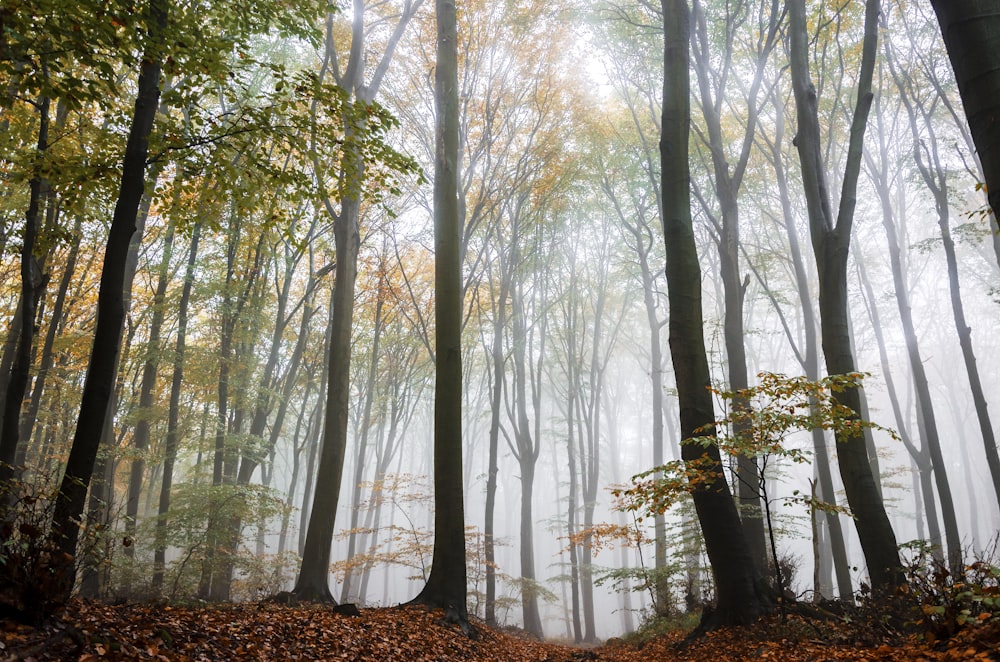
column 757, row 426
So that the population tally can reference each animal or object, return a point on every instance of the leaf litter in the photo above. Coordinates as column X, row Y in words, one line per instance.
column 87, row 631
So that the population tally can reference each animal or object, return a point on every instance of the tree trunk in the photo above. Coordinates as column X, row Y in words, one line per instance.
column 446, row 586
column 929, row 429
column 496, row 402
column 110, row 309
column 297, row 450
column 918, row 457
column 173, row 416
column 736, row 579
column 727, row 182
column 831, row 243
column 526, row 451
column 366, row 422
column 48, row 355
column 31, row 279
column 140, row 440
column 810, row 361
column 571, row 507
column 935, row 176
column 313, row 579
column 971, row 30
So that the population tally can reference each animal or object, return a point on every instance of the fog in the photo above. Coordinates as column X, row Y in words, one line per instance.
column 565, row 336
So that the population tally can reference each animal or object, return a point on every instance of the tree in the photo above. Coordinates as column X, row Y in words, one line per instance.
column 831, row 244
column 971, row 30
column 173, row 415
column 879, row 170
column 768, row 413
column 928, row 153
column 638, row 207
column 727, row 182
column 359, row 116
column 110, row 308
column 446, row 585
column 740, row 599
column 808, row 356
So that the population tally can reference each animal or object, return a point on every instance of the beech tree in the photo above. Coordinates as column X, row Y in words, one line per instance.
column 831, row 237
column 446, row 586
column 971, row 30
column 110, row 307
column 739, row 595
column 344, row 207
column 728, row 180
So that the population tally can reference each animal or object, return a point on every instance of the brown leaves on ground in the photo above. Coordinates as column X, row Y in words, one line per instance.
column 91, row 631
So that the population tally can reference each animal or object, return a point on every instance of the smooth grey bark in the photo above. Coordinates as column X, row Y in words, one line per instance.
column 831, row 238
column 737, row 581
column 172, row 437
column 571, row 317
column 880, row 173
column 497, row 370
column 446, row 586
column 111, row 313
column 496, row 396
column 313, row 580
column 918, row 456
column 526, row 446
column 971, row 31
column 727, row 180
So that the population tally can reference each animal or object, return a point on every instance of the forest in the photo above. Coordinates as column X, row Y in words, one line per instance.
column 595, row 323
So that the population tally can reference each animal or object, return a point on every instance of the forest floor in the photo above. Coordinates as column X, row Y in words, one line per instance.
column 93, row 631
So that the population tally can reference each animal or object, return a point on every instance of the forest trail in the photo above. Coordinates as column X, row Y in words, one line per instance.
column 92, row 631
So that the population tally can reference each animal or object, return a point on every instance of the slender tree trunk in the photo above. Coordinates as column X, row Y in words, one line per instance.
column 571, row 507
column 496, row 402
column 736, row 578
column 728, row 180
column 216, row 569
column 48, row 355
column 110, row 309
column 831, row 242
column 31, row 280
column 643, row 242
column 313, row 579
column 971, row 29
column 141, row 437
column 366, row 423
column 929, row 429
column 173, row 417
column 446, row 586
column 935, row 176
column 918, row 456
column 297, row 450
column 313, row 444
